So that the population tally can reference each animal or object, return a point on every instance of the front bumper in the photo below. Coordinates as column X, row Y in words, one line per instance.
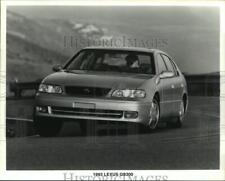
column 104, row 109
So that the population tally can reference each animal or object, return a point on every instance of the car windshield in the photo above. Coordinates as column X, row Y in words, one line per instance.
column 112, row 61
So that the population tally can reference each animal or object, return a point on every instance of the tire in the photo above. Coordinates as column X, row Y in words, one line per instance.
column 179, row 120
column 154, row 115
column 46, row 127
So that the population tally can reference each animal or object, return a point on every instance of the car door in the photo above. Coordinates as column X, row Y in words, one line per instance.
column 175, row 85
column 165, row 88
column 180, row 86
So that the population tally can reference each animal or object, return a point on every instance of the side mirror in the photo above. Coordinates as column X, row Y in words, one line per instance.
column 57, row 68
column 168, row 74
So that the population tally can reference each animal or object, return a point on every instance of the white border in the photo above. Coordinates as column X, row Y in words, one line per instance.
column 2, row 89
column 58, row 175
column 111, row 3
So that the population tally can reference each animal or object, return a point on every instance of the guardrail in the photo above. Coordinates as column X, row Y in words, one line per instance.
column 19, row 127
column 203, row 85
column 19, row 87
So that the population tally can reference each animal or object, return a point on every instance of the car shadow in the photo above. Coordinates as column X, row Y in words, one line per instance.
column 106, row 128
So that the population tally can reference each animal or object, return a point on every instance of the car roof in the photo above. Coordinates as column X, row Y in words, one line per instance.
column 139, row 49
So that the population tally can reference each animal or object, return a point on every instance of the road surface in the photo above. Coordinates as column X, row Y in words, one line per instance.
column 194, row 146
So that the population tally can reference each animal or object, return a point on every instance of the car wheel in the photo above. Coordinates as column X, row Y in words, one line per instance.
column 180, row 118
column 154, row 114
column 47, row 128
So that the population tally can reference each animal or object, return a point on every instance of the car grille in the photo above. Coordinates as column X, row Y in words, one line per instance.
column 86, row 91
column 87, row 112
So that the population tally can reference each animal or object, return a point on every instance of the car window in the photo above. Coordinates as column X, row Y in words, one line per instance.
column 114, row 61
column 146, row 63
column 175, row 68
column 89, row 58
column 161, row 63
column 168, row 63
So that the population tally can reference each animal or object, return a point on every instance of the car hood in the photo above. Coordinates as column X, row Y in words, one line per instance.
column 97, row 79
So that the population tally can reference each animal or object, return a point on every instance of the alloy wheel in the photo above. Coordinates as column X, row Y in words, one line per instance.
column 153, row 115
column 181, row 111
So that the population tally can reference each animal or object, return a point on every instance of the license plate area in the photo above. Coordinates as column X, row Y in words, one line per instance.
column 84, row 105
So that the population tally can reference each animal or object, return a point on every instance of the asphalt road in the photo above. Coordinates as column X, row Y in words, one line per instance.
column 194, row 146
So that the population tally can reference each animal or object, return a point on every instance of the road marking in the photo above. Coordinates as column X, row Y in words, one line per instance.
column 190, row 138
column 19, row 119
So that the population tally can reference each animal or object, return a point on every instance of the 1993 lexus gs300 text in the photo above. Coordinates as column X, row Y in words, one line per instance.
column 114, row 84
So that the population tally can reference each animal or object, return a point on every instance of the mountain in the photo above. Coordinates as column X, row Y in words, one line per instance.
column 38, row 44
column 27, row 61
column 56, row 34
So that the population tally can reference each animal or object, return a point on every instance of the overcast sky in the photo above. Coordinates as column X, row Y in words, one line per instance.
column 192, row 33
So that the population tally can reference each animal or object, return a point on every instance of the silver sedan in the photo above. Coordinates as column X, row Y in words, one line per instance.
column 112, row 84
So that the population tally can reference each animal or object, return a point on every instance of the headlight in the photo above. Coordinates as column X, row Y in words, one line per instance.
column 55, row 89
column 129, row 93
